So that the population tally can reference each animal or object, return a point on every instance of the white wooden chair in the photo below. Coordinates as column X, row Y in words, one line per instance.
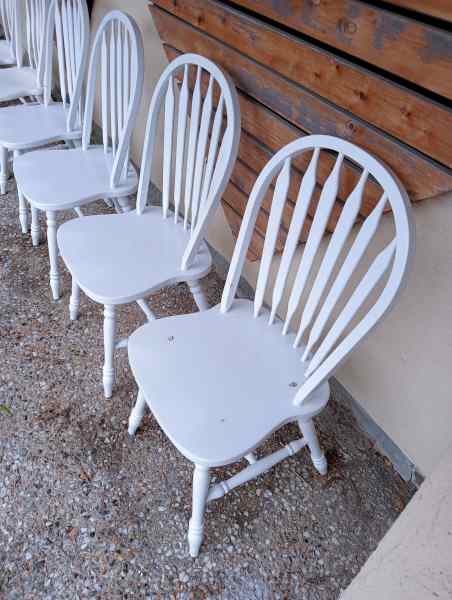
column 11, row 48
column 116, row 259
column 28, row 126
column 220, row 382
column 54, row 180
column 23, row 81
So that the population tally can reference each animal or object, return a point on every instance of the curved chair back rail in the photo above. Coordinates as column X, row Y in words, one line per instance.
column 68, row 22
column 331, row 324
column 200, row 143
column 117, row 59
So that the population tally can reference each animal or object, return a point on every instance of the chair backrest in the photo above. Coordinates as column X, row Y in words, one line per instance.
column 117, row 63
column 11, row 14
column 200, row 143
column 36, row 13
column 68, row 23
column 335, row 314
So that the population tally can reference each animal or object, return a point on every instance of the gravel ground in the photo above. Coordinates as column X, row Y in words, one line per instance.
column 87, row 512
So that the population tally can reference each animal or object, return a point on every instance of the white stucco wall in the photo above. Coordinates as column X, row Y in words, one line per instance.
column 402, row 374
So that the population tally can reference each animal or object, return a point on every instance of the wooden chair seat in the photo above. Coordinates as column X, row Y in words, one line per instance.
column 63, row 179
column 18, row 82
column 27, row 126
column 121, row 258
column 238, row 389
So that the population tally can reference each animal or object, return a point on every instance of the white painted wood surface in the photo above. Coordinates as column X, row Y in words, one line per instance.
column 117, row 259
column 253, row 372
column 113, row 257
column 55, row 180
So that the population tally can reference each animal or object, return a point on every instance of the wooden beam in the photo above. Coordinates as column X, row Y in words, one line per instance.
column 236, row 198
column 408, row 116
column 440, row 9
column 235, row 220
column 408, row 48
column 422, row 177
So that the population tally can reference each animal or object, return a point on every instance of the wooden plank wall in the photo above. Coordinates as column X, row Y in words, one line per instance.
column 378, row 76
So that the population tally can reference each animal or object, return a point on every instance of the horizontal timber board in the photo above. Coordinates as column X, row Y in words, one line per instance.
column 440, row 9
column 421, row 176
column 406, row 115
column 401, row 45
column 237, row 199
column 235, row 220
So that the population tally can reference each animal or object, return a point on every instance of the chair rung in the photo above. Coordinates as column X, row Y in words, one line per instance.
column 147, row 311
column 122, row 343
column 254, row 470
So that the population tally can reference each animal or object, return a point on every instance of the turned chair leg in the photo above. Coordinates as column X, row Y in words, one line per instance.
column 74, row 302
column 35, row 231
column 23, row 208
column 137, row 413
column 109, row 349
column 23, row 211
column 4, row 169
column 198, row 295
column 201, row 482
column 53, row 254
column 309, row 433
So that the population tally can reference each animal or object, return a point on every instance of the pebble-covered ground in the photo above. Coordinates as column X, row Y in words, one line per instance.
column 87, row 512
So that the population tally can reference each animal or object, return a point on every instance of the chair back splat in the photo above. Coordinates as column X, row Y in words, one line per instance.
column 200, row 143
column 36, row 19
column 331, row 287
column 68, row 22
column 117, row 61
column 12, row 17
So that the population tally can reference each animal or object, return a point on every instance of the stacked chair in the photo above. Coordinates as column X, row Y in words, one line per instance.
column 22, row 81
column 221, row 380
column 54, row 181
column 33, row 125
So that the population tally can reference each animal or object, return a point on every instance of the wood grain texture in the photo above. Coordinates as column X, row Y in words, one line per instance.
column 234, row 219
column 422, row 177
column 394, row 109
column 440, row 9
column 408, row 48
column 318, row 66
